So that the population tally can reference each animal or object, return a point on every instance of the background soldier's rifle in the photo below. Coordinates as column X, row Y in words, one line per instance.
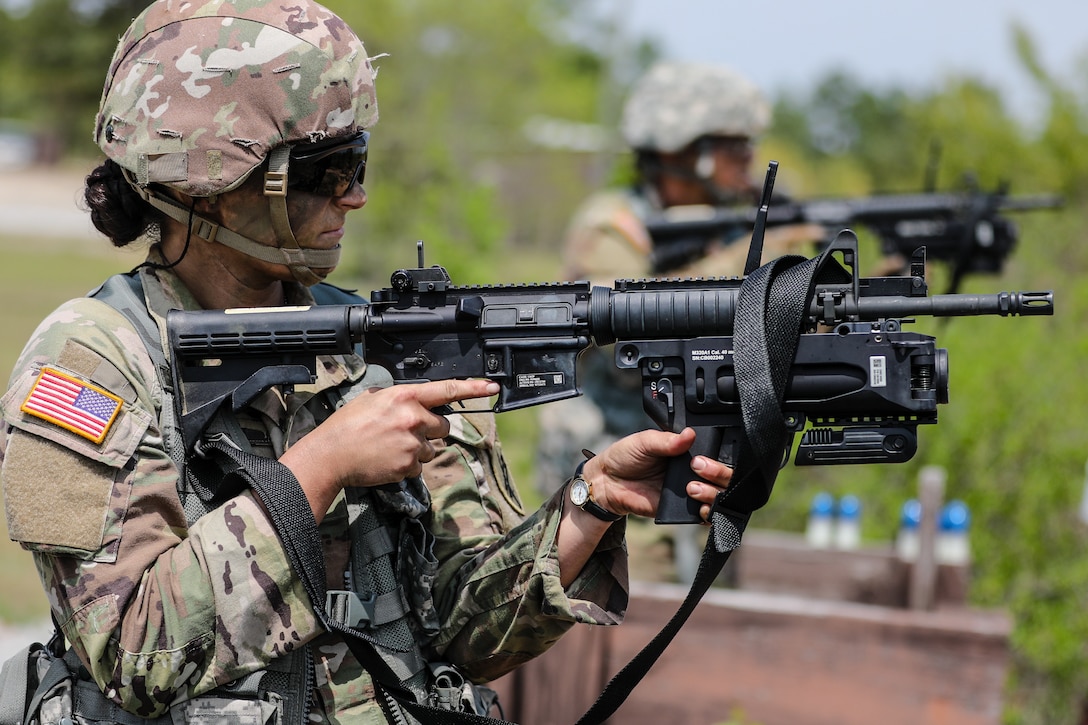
column 967, row 230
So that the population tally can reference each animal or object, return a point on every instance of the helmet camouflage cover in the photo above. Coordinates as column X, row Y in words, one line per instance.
column 675, row 103
column 198, row 93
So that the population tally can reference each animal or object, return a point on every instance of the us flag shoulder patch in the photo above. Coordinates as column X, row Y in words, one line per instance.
column 74, row 405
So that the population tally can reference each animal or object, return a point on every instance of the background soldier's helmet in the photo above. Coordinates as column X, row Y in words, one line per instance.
column 199, row 93
column 675, row 103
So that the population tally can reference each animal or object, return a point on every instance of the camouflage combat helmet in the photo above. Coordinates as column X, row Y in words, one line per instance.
column 200, row 93
column 675, row 103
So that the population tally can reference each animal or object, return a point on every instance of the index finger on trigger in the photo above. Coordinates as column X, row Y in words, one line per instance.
column 711, row 470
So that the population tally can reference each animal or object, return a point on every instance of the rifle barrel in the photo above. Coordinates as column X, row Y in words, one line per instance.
column 662, row 313
column 1005, row 304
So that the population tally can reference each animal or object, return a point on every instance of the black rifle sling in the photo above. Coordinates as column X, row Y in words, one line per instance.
column 772, row 303
column 771, row 306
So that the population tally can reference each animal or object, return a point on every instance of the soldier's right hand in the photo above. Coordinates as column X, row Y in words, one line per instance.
column 382, row 436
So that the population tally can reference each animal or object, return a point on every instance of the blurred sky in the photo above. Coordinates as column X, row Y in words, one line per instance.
column 910, row 43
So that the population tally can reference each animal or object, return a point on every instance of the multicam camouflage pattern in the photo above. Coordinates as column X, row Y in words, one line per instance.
column 201, row 117
column 161, row 611
column 607, row 240
column 676, row 102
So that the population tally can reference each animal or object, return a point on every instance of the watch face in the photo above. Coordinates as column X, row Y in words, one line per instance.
column 579, row 492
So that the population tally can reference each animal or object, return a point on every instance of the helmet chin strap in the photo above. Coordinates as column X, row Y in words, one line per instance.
column 275, row 188
column 300, row 261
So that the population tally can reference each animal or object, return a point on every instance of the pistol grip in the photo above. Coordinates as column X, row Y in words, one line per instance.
column 675, row 506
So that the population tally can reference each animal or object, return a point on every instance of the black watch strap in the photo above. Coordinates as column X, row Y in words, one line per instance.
column 592, row 507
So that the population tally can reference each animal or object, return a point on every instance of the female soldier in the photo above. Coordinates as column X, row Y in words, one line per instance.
column 235, row 136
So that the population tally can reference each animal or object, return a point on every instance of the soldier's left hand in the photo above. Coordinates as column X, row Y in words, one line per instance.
column 626, row 477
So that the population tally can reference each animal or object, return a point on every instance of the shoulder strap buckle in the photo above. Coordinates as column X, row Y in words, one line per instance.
column 345, row 606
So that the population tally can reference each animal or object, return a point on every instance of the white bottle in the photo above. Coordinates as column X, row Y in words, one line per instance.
column 821, row 517
column 953, row 546
column 848, row 523
column 906, row 541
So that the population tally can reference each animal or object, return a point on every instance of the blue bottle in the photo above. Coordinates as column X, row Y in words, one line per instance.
column 848, row 523
column 906, row 541
column 953, row 545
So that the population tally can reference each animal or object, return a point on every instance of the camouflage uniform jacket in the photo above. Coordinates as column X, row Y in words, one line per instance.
column 607, row 240
column 161, row 611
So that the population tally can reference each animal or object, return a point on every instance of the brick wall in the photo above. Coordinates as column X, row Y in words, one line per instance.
column 767, row 658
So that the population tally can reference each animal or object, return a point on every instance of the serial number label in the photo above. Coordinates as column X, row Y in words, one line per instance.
column 878, row 371
column 539, row 380
column 709, row 355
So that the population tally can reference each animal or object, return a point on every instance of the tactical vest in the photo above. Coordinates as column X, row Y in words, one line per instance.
column 373, row 600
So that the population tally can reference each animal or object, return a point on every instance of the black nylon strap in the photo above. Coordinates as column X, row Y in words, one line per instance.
column 767, row 327
column 725, row 536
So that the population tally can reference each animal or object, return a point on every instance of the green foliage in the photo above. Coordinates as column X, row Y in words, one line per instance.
column 1013, row 436
column 52, row 59
column 451, row 157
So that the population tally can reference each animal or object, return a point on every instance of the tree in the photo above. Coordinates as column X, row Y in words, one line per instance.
column 458, row 86
column 53, row 57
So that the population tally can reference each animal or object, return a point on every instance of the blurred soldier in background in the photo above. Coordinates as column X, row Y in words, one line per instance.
column 693, row 128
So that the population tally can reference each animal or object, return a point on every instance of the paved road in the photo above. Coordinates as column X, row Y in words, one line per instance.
column 14, row 638
column 44, row 202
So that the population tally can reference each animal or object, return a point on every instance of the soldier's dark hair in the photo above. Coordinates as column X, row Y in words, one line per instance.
column 116, row 209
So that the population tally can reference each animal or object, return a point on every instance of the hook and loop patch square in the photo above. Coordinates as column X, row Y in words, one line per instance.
column 72, row 404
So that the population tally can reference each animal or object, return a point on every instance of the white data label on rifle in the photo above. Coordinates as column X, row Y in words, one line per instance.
column 878, row 371
column 539, row 380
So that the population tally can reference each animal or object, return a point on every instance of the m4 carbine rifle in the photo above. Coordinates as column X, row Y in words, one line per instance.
column 966, row 230
column 864, row 383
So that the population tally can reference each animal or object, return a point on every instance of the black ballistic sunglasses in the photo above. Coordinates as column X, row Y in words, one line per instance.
column 328, row 168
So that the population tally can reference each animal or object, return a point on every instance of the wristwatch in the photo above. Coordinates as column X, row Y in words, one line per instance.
column 581, row 495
